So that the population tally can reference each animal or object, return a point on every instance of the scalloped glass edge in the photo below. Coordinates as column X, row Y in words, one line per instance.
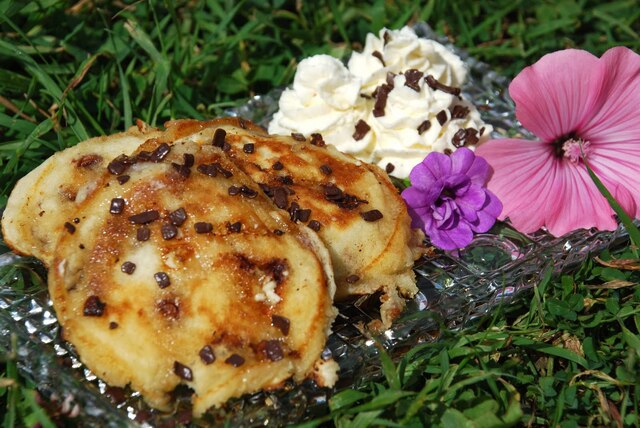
column 455, row 287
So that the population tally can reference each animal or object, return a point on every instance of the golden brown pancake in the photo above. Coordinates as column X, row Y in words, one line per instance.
column 175, row 278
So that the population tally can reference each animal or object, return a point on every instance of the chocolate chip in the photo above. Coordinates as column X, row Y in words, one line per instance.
column 482, row 131
column 326, row 169
column 226, row 173
column 317, row 140
column 459, row 112
column 93, row 307
column 447, row 152
column 123, row 178
column 386, row 37
column 285, row 179
column 128, row 267
column 361, row 130
column 233, row 190
column 70, row 228
column 314, row 225
column 203, row 227
column 424, row 127
column 143, row 233
column 117, row 206
column 168, row 231
column 298, row 137
column 178, row 217
column 248, row 192
column 116, row 167
column 208, row 169
column 434, row 84
column 303, row 215
column 278, row 232
column 143, row 156
column 412, row 78
column 280, row 198
column 273, row 350
column 389, row 168
column 459, row 137
column 352, row 279
column 248, row 148
column 381, row 95
column 277, row 166
column 189, row 159
column 235, row 360
column 89, row 160
column 219, row 138
column 281, row 323
column 234, row 227
column 332, row 192
column 206, row 355
column 372, row 215
column 183, row 170
column 441, row 117
column 162, row 279
column 113, row 325
column 160, row 153
column 144, row 217
column 169, row 309
column 266, row 189
column 378, row 55
column 472, row 136
column 182, row 371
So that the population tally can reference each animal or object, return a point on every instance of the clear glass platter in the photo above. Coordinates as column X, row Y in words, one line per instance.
column 454, row 288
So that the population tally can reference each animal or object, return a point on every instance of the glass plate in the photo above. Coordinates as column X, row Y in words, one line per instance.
column 454, row 288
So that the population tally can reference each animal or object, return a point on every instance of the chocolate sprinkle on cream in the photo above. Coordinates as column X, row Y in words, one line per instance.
column 447, row 151
column 459, row 112
column 389, row 168
column 434, row 84
column 277, row 166
column 315, row 225
column 386, row 37
column 352, row 279
column 235, row 360
column 298, row 137
column 162, row 279
column 381, row 94
column 326, row 169
column 178, row 217
column 203, row 227
column 273, row 350
column 123, row 178
column 144, row 217
column 128, row 267
column 234, row 227
column 206, row 355
column 208, row 169
column 459, row 137
column 378, row 55
column 424, row 127
column 317, row 140
column 117, row 206
column 93, row 307
column 441, row 117
column 248, row 148
column 361, row 130
column 169, row 231
column 281, row 323
column 472, row 136
column 70, row 228
column 143, row 233
column 182, row 371
column 412, row 77
column 372, row 215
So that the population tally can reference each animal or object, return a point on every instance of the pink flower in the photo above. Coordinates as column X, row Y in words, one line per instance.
column 448, row 198
column 576, row 104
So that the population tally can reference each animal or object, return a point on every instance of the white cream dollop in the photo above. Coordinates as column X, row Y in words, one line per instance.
column 330, row 99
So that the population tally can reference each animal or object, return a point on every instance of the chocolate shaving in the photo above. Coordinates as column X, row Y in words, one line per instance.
column 344, row 200
column 372, row 215
column 381, row 94
column 424, row 127
column 162, row 279
column 117, row 166
column 144, row 217
column 242, row 123
column 285, row 179
column 386, row 37
column 70, row 228
column 235, row 360
column 128, row 267
column 459, row 112
column 248, row 148
column 183, row 170
column 361, row 130
column 93, row 307
column 219, row 138
column 203, row 227
column 169, row 231
column 189, row 159
column 434, row 84
column 378, row 55
column 352, row 279
column 169, row 309
column 208, row 169
column 326, row 169
column 277, row 166
column 233, row 190
column 273, row 350
column 447, row 151
column 317, row 140
column 278, row 232
column 482, row 131
column 298, row 137
column 281, row 323
column 123, row 178
column 206, row 355
column 459, row 137
column 182, row 371
column 303, row 215
column 472, row 136
column 226, row 173
column 390, row 78
column 314, row 225
column 412, row 78
column 389, row 168
column 178, row 217
column 117, row 206
column 248, row 192
column 160, row 152
column 113, row 325
column 143, row 233
column 280, row 198
column 441, row 117
column 234, row 227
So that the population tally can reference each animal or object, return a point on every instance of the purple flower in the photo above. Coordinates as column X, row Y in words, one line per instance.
column 448, row 198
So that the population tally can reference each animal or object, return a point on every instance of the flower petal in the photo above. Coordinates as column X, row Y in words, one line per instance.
column 432, row 168
column 619, row 170
column 451, row 239
column 615, row 116
column 554, row 95
column 487, row 216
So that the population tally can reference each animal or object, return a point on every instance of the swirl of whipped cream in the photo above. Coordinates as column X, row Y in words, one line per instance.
column 398, row 50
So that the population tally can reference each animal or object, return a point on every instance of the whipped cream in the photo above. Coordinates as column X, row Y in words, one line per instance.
column 381, row 108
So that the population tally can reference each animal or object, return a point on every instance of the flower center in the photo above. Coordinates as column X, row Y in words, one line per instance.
column 571, row 147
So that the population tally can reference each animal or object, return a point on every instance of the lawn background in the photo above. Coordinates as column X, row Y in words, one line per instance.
column 565, row 354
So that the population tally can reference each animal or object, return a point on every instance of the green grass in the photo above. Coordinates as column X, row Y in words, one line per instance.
column 566, row 355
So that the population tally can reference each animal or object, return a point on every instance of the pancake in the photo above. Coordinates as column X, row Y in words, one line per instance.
column 174, row 278
column 355, row 209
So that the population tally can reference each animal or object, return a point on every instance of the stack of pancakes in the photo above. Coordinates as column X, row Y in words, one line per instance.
column 209, row 254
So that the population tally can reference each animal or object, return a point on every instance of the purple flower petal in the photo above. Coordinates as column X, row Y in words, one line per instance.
column 452, row 239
